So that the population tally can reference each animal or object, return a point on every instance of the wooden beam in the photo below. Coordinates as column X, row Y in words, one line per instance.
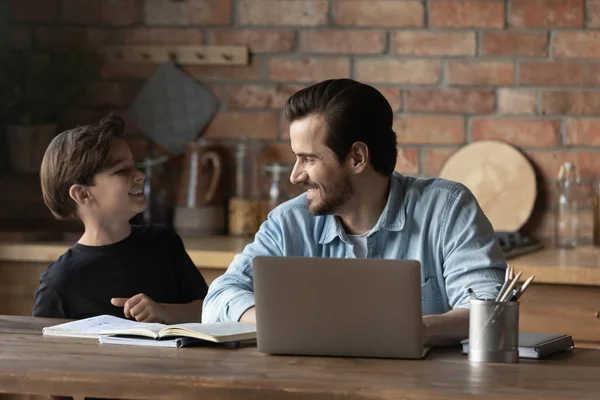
column 183, row 55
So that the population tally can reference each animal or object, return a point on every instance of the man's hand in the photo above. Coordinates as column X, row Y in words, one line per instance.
column 142, row 308
column 446, row 329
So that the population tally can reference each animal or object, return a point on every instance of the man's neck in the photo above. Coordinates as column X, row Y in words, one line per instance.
column 101, row 233
column 362, row 212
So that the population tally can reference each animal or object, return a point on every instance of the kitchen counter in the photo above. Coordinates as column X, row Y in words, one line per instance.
column 207, row 252
column 565, row 292
column 579, row 266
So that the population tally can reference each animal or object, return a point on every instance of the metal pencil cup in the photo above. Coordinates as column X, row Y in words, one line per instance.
column 494, row 331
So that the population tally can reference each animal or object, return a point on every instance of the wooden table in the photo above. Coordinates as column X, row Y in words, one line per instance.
column 565, row 292
column 33, row 364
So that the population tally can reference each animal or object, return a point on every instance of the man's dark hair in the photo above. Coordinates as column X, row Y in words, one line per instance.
column 353, row 112
column 75, row 157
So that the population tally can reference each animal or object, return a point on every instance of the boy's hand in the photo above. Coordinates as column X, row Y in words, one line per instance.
column 141, row 307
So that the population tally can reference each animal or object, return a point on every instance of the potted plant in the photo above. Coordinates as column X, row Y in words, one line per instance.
column 34, row 91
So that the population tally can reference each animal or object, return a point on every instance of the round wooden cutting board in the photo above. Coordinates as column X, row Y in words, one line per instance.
column 501, row 179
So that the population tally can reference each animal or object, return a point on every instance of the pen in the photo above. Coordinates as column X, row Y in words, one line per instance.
column 502, row 289
column 472, row 294
column 510, row 287
column 524, row 287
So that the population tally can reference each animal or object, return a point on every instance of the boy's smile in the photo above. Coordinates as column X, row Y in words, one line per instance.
column 118, row 189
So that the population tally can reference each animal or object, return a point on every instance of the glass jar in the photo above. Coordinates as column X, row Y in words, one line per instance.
column 278, row 186
column 567, row 213
column 245, row 204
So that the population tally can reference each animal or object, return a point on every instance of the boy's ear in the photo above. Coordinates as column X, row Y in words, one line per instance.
column 80, row 194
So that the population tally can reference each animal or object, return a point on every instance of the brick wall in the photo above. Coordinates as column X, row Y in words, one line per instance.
column 523, row 71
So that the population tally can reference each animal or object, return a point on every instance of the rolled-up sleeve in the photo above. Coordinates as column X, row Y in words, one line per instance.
column 472, row 256
column 231, row 295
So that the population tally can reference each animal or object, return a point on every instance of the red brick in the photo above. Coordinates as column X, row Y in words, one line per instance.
column 112, row 12
column 63, row 37
column 210, row 12
column 20, row 37
column 393, row 96
column 429, row 129
column 280, row 152
column 583, row 132
column 34, row 10
column 462, row 101
column 381, row 13
column 549, row 162
column 542, row 222
column 167, row 12
column 546, row 13
column 576, row 44
column 548, row 189
column 284, row 127
column 343, row 41
column 255, row 96
column 466, row 13
column 593, row 14
column 112, row 94
column 73, row 117
column 283, row 12
column 540, row 225
column 570, row 102
column 160, row 36
column 559, row 74
column 249, row 72
column 516, row 101
column 257, row 40
column 480, row 73
column 399, row 71
column 407, row 161
column 508, row 43
column 58, row 37
column 427, row 43
column 100, row 36
column 308, row 69
column 518, row 132
column 434, row 159
column 139, row 147
column 125, row 70
column 235, row 124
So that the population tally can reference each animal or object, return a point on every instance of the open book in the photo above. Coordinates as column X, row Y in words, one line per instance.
column 96, row 327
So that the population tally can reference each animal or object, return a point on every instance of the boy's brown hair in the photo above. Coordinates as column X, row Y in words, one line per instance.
column 74, row 157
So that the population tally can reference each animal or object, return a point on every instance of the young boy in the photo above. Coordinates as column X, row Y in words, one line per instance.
column 140, row 272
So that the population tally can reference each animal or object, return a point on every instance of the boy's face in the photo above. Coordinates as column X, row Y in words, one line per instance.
column 118, row 190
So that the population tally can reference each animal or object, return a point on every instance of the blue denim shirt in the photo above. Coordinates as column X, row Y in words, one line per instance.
column 435, row 221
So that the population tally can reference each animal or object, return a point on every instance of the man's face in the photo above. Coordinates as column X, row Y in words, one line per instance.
column 118, row 190
column 317, row 168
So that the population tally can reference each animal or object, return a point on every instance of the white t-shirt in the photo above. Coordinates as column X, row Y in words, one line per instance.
column 359, row 243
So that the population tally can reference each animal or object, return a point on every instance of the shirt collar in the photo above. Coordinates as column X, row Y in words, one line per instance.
column 392, row 218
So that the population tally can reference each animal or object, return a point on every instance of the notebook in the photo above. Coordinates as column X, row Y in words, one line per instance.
column 96, row 327
column 536, row 345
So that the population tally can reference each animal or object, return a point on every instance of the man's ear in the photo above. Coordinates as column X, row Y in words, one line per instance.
column 359, row 157
column 80, row 194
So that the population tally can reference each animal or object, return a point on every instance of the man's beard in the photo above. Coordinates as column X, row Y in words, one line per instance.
column 331, row 198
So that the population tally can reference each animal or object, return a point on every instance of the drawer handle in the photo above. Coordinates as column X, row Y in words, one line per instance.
column 597, row 314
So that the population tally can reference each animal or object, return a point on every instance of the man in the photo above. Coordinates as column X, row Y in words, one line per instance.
column 355, row 205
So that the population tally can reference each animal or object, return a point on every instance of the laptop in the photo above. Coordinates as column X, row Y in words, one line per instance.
column 338, row 307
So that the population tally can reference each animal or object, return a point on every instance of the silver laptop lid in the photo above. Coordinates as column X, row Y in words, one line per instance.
column 338, row 307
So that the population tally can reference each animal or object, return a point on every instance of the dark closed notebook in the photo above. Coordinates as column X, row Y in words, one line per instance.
column 536, row 345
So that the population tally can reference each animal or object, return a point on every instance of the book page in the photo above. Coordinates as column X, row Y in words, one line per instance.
column 91, row 327
column 228, row 329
